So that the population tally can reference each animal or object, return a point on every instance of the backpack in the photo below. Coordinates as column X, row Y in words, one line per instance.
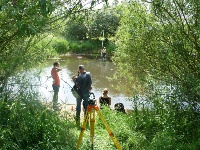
column 75, row 92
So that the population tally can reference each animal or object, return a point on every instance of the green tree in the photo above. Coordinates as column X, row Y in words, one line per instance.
column 105, row 21
column 129, row 54
column 75, row 31
column 163, row 45
column 181, row 44
column 23, row 24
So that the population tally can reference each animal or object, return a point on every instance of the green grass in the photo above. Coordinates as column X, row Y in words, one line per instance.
column 27, row 124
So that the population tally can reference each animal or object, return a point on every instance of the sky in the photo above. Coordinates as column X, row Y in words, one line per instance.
column 99, row 6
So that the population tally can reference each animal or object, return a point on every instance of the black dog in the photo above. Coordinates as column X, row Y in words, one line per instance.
column 119, row 107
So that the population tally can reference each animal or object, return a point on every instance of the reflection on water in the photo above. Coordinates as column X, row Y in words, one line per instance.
column 99, row 69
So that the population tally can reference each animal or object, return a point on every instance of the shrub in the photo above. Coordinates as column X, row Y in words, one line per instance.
column 27, row 124
column 60, row 45
column 90, row 46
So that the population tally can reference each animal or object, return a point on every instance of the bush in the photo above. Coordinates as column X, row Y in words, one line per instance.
column 27, row 124
column 83, row 46
column 60, row 45
column 89, row 46
column 166, row 121
column 43, row 49
column 120, row 124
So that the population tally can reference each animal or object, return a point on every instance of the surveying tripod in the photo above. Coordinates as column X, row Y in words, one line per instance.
column 90, row 113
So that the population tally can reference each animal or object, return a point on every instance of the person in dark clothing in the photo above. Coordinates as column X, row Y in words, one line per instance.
column 119, row 107
column 83, row 82
column 104, row 99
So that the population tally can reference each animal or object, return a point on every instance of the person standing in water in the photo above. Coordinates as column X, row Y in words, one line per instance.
column 104, row 53
column 56, row 83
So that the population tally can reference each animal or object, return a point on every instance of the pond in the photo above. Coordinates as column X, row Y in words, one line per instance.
column 100, row 70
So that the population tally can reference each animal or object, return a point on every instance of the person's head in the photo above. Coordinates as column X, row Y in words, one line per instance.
column 56, row 64
column 81, row 68
column 105, row 91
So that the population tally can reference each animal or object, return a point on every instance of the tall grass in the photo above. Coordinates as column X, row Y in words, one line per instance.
column 160, row 123
column 27, row 124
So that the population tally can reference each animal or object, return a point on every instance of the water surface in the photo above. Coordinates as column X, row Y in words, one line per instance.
column 100, row 70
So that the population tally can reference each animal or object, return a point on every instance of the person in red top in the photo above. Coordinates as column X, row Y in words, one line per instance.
column 56, row 83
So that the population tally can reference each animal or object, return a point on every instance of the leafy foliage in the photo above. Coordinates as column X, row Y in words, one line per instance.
column 162, row 45
column 105, row 22
column 76, row 31
column 26, row 123
column 60, row 45
column 130, row 54
column 29, row 125
column 84, row 46
column 92, row 24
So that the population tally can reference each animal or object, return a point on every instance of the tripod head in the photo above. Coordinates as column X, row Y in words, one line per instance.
column 91, row 100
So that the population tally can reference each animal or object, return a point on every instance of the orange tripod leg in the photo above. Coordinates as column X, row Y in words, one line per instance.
column 92, row 121
column 82, row 130
column 108, row 128
column 91, row 113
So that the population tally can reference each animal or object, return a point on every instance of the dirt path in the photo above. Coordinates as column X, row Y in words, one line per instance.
column 69, row 111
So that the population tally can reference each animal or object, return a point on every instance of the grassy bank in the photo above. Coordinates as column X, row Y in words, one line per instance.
column 28, row 124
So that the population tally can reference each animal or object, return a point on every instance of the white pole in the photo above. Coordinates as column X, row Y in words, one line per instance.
column 103, row 39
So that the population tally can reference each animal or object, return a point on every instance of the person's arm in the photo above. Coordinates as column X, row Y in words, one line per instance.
column 99, row 100
column 74, row 78
column 58, row 69
column 109, row 98
column 89, row 77
column 53, row 72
